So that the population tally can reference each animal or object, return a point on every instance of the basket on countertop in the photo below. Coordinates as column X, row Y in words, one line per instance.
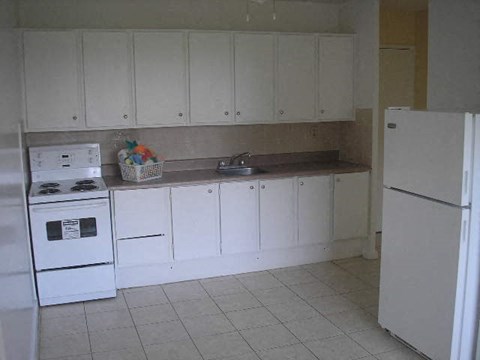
column 139, row 173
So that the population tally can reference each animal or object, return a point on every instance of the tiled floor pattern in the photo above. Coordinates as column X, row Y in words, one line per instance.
column 318, row 311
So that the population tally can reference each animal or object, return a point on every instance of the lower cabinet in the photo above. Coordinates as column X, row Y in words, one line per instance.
column 277, row 214
column 350, row 209
column 314, row 210
column 144, row 250
column 239, row 217
column 196, row 222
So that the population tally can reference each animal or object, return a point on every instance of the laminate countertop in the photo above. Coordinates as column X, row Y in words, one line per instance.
column 208, row 176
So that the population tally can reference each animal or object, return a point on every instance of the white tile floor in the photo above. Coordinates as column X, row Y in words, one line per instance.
column 318, row 311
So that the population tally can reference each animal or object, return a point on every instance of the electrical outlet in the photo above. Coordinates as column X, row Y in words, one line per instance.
column 314, row 131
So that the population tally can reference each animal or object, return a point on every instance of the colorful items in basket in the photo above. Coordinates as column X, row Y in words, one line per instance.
column 137, row 154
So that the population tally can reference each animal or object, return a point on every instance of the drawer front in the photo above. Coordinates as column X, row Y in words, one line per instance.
column 140, row 251
column 71, row 282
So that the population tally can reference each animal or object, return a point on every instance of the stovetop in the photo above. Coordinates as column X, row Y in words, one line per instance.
column 65, row 190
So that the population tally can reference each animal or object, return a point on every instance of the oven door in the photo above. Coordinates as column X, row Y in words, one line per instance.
column 71, row 233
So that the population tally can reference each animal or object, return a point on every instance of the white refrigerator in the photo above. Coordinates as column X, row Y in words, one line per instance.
column 430, row 237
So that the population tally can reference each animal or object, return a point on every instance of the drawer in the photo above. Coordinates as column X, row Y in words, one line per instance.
column 146, row 250
column 67, row 285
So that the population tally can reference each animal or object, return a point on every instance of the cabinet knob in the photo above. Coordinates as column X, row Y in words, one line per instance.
column 180, row 114
column 322, row 111
column 238, row 113
column 301, row 183
column 125, row 116
column 281, row 112
column 263, row 186
column 337, row 179
column 252, row 187
column 226, row 113
column 74, row 117
column 210, row 191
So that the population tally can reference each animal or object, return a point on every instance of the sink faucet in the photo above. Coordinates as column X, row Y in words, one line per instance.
column 231, row 161
column 238, row 156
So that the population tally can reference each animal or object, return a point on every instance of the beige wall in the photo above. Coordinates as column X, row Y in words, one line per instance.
column 195, row 142
column 301, row 16
column 409, row 28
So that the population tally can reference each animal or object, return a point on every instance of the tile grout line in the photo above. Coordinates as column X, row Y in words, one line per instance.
column 181, row 321
column 135, row 325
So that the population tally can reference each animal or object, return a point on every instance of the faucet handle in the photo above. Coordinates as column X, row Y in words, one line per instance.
column 221, row 163
column 241, row 162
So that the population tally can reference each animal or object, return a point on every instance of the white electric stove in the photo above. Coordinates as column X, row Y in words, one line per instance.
column 70, row 224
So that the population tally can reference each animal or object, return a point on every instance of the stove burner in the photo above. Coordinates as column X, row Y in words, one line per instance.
column 49, row 191
column 85, row 182
column 84, row 187
column 50, row 185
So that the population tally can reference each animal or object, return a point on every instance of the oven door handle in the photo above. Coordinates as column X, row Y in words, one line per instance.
column 67, row 208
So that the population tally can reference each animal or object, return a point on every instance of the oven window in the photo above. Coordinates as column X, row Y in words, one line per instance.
column 71, row 229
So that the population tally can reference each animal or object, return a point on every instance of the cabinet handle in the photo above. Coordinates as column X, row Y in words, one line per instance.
column 180, row 114
column 252, row 187
column 301, row 183
column 281, row 112
column 263, row 186
column 74, row 117
column 210, row 191
column 337, row 179
column 125, row 116
column 226, row 113
column 322, row 111
column 238, row 112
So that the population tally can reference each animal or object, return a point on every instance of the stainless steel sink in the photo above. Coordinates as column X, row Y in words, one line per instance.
column 240, row 170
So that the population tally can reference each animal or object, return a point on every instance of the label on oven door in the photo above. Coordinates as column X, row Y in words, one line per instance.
column 70, row 229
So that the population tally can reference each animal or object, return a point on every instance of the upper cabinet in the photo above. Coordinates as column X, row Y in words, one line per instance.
column 84, row 79
column 296, row 69
column 108, row 75
column 160, row 78
column 52, row 80
column 254, row 77
column 336, row 78
column 211, row 78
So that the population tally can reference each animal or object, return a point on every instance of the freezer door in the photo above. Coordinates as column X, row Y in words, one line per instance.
column 421, row 242
column 430, row 154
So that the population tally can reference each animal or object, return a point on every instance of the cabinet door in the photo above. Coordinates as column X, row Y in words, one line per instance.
column 108, row 74
column 144, row 251
column 160, row 78
column 142, row 212
column 296, row 72
column 350, row 207
column 254, row 76
column 336, row 77
column 195, row 214
column 239, row 217
column 314, row 209
column 52, row 86
column 277, row 214
column 211, row 90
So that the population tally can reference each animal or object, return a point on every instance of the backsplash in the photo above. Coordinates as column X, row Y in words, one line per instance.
column 195, row 142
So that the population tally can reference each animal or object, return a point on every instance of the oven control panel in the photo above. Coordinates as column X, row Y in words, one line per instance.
column 64, row 157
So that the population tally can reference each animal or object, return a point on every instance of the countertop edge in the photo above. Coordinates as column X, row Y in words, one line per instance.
column 209, row 176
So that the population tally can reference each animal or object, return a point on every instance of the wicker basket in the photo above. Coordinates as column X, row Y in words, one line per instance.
column 138, row 173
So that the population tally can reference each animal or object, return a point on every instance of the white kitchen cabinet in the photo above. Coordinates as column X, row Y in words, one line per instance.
column 144, row 251
column 296, row 70
column 52, row 80
column 211, row 78
column 239, row 217
column 350, row 210
column 314, row 209
column 108, row 79
column 336, row 78
column 160, row 78
column 142, row 212
column 195, row 215
column 254, row 77
column 277, row 214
